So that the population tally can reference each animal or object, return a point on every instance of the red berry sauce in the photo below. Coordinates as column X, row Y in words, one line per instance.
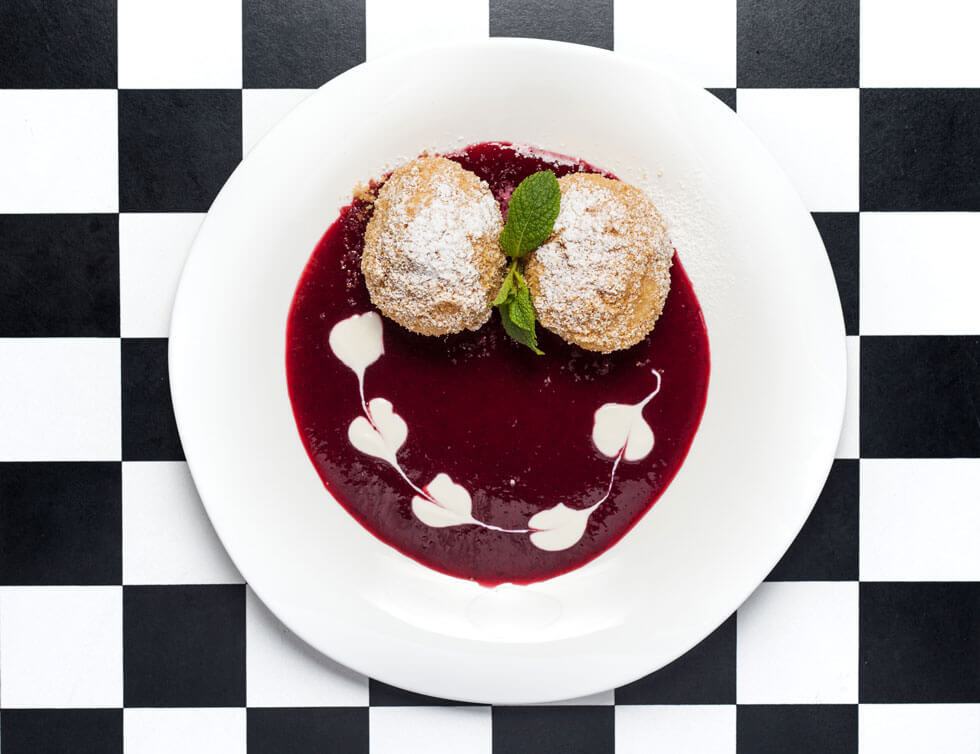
column 513, row 428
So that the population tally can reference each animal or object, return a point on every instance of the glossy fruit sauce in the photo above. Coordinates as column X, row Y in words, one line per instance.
column 513, row 428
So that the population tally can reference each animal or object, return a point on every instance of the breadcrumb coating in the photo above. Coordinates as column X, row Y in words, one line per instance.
column 602, row 279
column 431, row 259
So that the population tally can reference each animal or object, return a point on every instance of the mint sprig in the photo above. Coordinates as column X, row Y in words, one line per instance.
column 531, row 214
column 531, row 219
column 516, row 310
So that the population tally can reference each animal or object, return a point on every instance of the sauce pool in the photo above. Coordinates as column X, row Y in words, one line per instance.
column 514, row 429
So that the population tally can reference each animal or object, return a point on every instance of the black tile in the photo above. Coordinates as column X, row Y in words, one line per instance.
column 840, row 232
column 61, row 731
column 176, row 148
column 57, row 44
column 300, row 43
column 797, row 729
column 59, row 276
column 920, row 397
column 184, row 646
column 60, row 523
column 149, row 430
column 826, row 548
column 308, row 731
column 797, row 43
column 383, row 695
column 553, row 730
column 920, row 149
column 728, row 96
column 920, row 643
column 705, row 675
column 588, row 23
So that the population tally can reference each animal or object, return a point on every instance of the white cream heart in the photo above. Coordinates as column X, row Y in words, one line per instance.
column 358, row 341
column 453, row 505
column 620, row 427
column 558, row 528
column 384, row 437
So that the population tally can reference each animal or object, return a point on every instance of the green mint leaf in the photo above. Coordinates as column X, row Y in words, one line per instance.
column 524, row 337
column 531, row 214
column 521, row 308
column 507, row 286
column 517, row 313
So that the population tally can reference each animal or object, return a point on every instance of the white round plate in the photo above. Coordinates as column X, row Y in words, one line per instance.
column 770, row 428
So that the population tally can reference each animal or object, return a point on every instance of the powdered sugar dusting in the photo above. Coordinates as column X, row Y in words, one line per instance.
column 581, row 225
column 431, row 259
column 545, row 155
column 570, row 258
column 602, row 278
column 438, row 237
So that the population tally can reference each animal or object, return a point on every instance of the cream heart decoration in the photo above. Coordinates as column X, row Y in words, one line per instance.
column 358, row 342
column 620, row 429
column 449, row 504
column 383, row 435
column 558, row 528
column 619, row 432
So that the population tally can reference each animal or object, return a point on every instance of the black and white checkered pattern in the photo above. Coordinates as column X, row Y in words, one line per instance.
column 123, row 625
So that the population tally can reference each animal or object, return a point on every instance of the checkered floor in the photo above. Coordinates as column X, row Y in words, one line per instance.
column 123, row 625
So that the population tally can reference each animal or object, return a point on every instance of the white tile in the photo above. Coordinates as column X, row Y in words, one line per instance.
column 61, row 646
column 394, row 24
column 180, row 44
column 690, row 728
column 284, row 671
column 430, row 730
column 849, row 444
column 58, row 150
column 909, row 43
column 695, row 39
column 188, row 731
column 60, row 399
column 167, row 537
column 798, row 644
column 152, row 250
column 919, row 273
column 920, row 519
column 263, row 108
column 918, row 728
column 813, row 134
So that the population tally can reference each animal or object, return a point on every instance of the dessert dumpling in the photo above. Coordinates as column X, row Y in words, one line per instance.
column 431, row 259
column 600, row 281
